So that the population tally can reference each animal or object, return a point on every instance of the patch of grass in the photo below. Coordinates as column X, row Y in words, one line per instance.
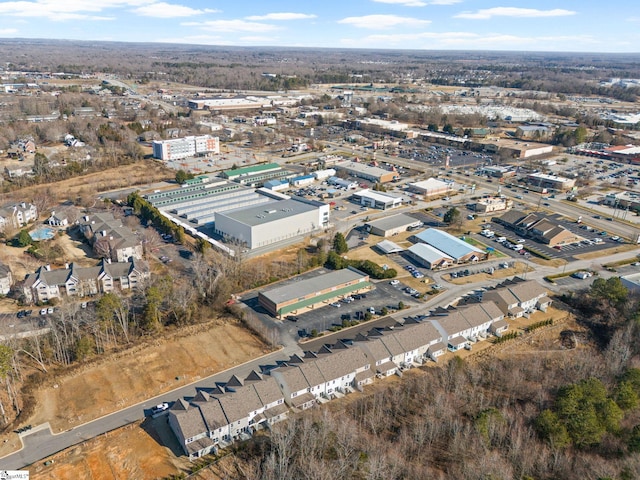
column 621, row 263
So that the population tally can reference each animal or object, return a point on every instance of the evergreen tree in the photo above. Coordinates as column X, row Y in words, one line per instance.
column 340, row 244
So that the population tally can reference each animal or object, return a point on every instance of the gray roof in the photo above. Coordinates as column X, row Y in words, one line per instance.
column 212, row 413
column 294, row 378
column 189, row 420
column 394, row 221
column 375, row 347
column 268, row 390
column 428, row 253
column 341, row 363
column 389, row 247
column 308, row 286
column 414, row 336
column 237, row 405
column 527, row 290
column 261, row 214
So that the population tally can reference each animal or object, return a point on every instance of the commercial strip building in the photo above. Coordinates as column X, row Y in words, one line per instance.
column 216, row 417
column 390, row 127
column 262, row 225
column 542, row 180
column 624, row 199
column 229, row 103
column 498, row 171
column 374, row 199
column 388, row 226
column 432, row 187
column 492, row 204
column 449, row 247
column 537, row 227
column 314, row 291
column 367, row 172
column 185, row 147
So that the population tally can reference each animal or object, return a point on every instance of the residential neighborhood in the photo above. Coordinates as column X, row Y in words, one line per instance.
column 266, row 262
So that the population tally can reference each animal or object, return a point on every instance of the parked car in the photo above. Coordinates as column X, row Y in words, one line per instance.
column 394, row 282
column 50, row 310
column 335, row 304
column 160, row 408
column 43, row 311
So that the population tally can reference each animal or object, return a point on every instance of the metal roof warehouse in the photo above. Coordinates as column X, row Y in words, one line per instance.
column 311, row 291
column 452, row 246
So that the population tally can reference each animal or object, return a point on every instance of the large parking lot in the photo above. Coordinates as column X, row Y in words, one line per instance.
column 594, row 240
column 382, row 296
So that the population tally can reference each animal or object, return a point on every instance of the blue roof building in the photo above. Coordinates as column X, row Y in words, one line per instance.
column 452, row 246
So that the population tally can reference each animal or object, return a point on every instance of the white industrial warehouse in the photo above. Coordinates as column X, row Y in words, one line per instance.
column 263, row 225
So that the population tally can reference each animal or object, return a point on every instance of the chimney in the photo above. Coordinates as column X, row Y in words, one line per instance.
column 66, row 266
column 47, row 268
column 86, row 218
column 104, row 233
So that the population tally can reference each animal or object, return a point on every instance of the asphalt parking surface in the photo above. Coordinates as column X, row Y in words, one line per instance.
column 322, row 318
column 566, row 252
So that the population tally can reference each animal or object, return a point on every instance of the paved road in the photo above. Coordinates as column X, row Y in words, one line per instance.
column 40, row 442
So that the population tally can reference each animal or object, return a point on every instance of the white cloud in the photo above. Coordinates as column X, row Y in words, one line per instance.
column 233, row 26
column 406, row 3
column 380, row 22
column 65, row 10
column 445, row 2
column 169, row 10
column 281, row 16
column 8, row 31
column 516, row 12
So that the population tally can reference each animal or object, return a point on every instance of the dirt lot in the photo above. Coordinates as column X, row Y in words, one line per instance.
column 146, row 457
column 138, row 173
column 105, row 458
column 139, row 373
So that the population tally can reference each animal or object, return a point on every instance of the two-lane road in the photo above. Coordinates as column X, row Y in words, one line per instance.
column 40, row 443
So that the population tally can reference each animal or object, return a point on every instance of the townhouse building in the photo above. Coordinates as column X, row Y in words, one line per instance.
column 110, row 238
column 72, row 280
column 218, row 416
column 17, row 215
column 518, row 297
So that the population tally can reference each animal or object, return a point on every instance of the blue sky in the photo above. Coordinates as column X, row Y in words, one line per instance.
column 544, row 25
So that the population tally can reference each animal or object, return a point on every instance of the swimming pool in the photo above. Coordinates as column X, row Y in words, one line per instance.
column 42, row 233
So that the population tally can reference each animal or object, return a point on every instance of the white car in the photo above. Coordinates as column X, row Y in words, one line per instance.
column 615, row 238
column 335, row 304
column 43, row 311
column 160, row 408
column 394, row 282
column 50, row 310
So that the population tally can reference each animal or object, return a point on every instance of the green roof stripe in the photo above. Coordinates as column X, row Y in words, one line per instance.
column 253, row 169
column 321, row 298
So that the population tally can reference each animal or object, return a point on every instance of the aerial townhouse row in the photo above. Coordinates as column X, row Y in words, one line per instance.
column 218, row 416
